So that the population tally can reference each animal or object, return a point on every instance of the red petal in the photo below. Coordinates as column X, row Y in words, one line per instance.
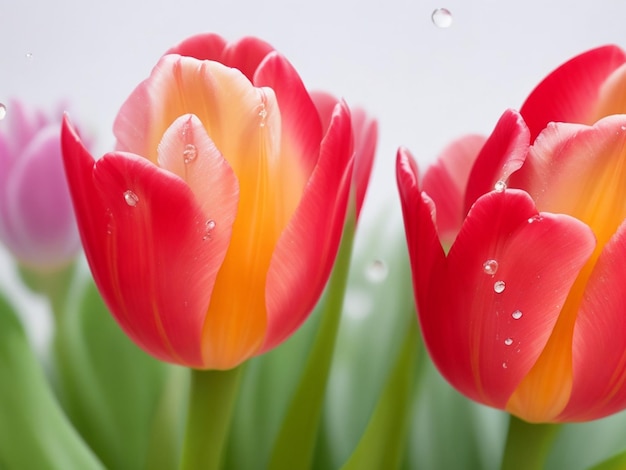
column 570, row 93
column 306, row 250
column 325, row 104
column 365, row 132
column 446, row 180
column 599, row 345
column 207, row 46
column 301, row 126
column 425, row 251
column 246, row 55
column 485, row 325
column 503, row 153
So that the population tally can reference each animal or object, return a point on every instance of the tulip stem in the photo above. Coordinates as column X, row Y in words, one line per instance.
column 527, row 444
column 211, row 404
column 298, row 435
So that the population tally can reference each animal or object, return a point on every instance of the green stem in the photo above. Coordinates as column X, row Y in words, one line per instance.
column 527, row 445
column 298, row 435
column 211, row 403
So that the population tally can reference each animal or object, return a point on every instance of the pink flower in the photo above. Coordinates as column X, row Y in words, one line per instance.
column 526, row 312
column 211, row 231
column 36, row 217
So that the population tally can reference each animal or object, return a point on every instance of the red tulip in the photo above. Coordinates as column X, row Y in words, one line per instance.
column 526, row 312
column 212, row 229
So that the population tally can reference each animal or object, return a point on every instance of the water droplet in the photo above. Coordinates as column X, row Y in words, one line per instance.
column 508, row 341
column 623, row 128
column 500, row 186
column 499, row 287
column 490, row 266
column 209, row 226
column 131, row 198
column 376, row 271
column 505, row 365
column 28, row 55
column 442, row 18
column 3, row 111
column 535, row 218
column 262, row 115
column 190, row 153
column 517, row 314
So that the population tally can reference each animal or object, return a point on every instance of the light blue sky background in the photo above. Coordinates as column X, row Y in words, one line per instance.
column 426, row 85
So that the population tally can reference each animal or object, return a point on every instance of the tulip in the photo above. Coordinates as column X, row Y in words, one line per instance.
column 213, row 227
column 37, row 222
column 525, row 312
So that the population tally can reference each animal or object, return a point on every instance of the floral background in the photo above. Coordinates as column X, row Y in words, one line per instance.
column 425, row 84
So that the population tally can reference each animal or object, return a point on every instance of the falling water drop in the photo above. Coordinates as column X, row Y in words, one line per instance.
column 3, row 111
column 28, row 55
column 131, row 198
column 190, row 153
column 499, row 287
column 490, row 267
column 517, row 314
column 442, row 18
column 376, row 271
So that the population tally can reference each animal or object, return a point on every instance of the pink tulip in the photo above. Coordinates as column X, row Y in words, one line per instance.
column 526, row 312
column 36, row 217
column 212, row 229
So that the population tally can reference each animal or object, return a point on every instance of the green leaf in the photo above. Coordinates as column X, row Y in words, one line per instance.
column 34, row 432
column 108, row 386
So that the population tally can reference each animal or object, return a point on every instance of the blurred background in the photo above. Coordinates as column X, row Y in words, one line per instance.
column 427, row 81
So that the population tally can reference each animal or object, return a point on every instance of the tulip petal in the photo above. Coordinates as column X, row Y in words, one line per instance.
column 425, row 251
column 570, row 93
column 446, row 180
column 508, row 274
column 158, row 289
column 580, row 170
column 305, row 253
column 365, row 132
column 502, row 154
column 41, row 237
column 301, row 126
column 246, row 55
column 599, row 344
column 612, row 96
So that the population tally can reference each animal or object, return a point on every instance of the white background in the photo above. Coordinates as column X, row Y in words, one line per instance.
column 426, row 85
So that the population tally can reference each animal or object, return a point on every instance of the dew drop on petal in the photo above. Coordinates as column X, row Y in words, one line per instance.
column 190, row 153
column 508, row 341
column 490, row 267
column 500, row 186
column 442, row 18
column 517, row 314
column 505, row 365
column 262, row 115
column 3, row 111
column 376, row 271
column 131, row 198
column 535, row 218
column 499, row 287
column 209, row 226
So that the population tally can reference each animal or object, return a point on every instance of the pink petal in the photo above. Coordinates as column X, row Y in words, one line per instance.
column 490, row 314
column 446, row 180
column 425, row 251
column 365, row 130
column 570, row 93
column 301, row 126
column 38, row 204
column 502, row 154
column 306, row 251
column 612, row 95
column 599, row 345
column 246, row 55
column 325, row 104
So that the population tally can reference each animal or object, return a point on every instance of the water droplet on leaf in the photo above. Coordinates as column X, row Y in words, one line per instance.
column 499, row 287
column 517, row 314
column 490, row 267
column 131, row 198
column 376, row 271
column 190, row 153
column 442, row 18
